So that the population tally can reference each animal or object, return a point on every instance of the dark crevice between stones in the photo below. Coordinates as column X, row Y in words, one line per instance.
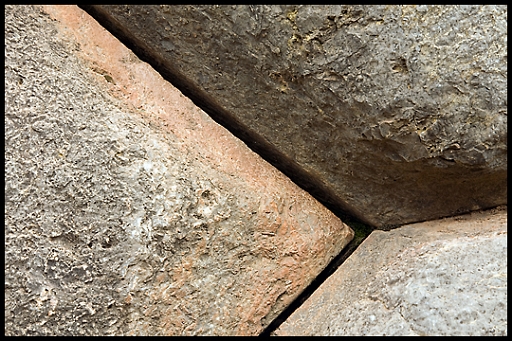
column 361, row 232
column 255, row 142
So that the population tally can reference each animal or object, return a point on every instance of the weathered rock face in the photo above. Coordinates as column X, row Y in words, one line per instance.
column 446, row 277
column 398, row 112
column 128, row 210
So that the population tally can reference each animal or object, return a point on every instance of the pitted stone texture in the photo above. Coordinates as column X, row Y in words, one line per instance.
column 400, row 111
column 128, row 210
column 443, row 277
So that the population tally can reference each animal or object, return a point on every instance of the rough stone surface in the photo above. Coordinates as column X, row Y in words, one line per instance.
column 400, row 112
column 445, row 277
column 128, row 211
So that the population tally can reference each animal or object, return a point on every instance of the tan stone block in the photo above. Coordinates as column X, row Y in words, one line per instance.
column 129, row 211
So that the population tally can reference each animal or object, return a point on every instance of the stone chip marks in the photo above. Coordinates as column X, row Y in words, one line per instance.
column 398, row 113
column 128, row 210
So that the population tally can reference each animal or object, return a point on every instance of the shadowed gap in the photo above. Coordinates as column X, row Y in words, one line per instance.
column 361, row 232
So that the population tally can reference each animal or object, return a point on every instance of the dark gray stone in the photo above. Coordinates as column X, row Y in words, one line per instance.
column 394, row 114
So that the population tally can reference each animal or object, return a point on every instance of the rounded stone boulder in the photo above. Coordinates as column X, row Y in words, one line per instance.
column 393, row 114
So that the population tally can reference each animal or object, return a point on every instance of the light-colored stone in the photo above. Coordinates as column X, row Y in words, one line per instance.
column 442, row 277
column 128, row 210
column 394, row 114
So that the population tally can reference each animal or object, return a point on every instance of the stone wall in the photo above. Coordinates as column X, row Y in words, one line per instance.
column 134, row 207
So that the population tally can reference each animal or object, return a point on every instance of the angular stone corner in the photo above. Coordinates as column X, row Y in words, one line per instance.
column 128, row 211
column 395, row 114
column 443, row 277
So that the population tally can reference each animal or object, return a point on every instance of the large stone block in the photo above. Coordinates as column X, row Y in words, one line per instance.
column 394, row 114
column 442, row 277
column 128, row 210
